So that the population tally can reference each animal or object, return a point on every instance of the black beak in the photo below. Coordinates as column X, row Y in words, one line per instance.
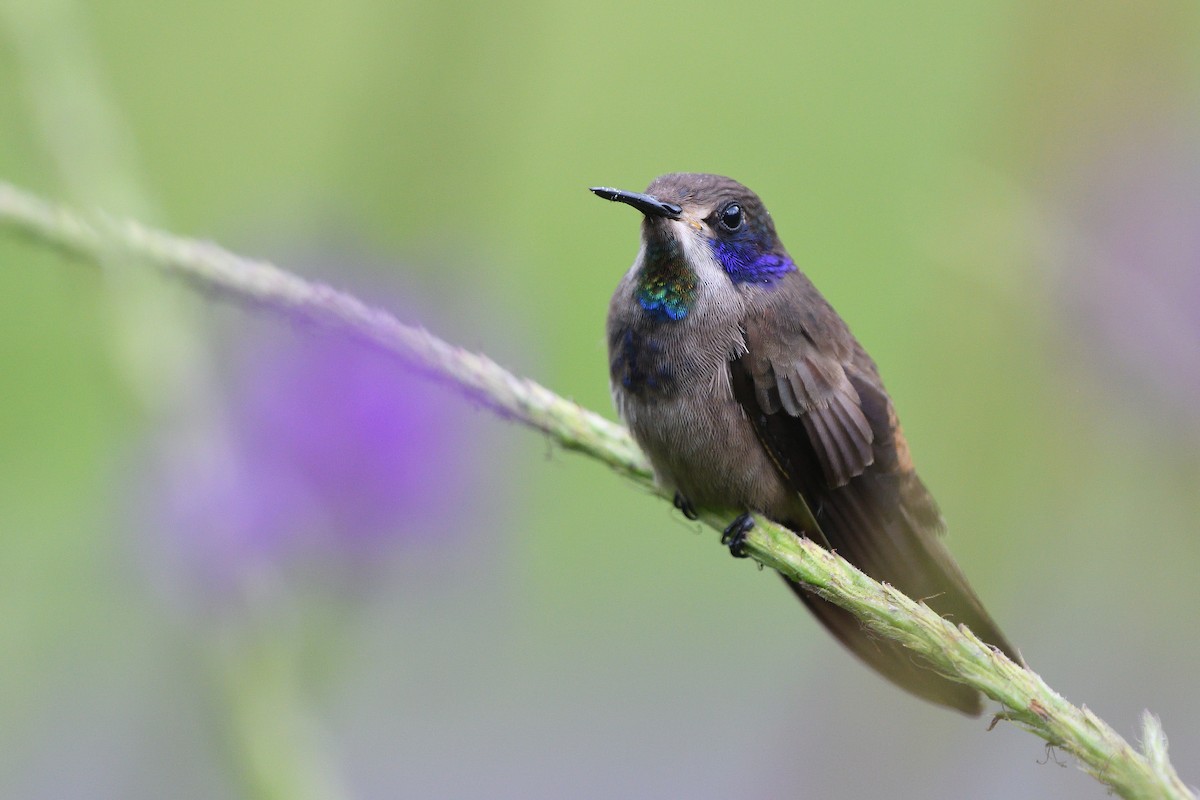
column 647, row 204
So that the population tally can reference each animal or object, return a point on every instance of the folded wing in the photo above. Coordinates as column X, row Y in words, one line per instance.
column 831, row 429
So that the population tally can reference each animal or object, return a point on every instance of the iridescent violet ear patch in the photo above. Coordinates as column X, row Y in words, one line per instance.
column 745, row 261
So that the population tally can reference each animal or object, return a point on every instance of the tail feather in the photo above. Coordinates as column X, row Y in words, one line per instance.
column 890, row 659
column 874, row 513
column 863, row 523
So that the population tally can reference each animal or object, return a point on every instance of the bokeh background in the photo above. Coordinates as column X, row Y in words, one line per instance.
column 242, row 559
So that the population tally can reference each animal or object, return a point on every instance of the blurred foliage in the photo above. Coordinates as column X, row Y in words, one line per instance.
column 929, row 163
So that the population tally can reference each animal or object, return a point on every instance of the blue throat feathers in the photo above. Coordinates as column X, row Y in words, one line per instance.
column 666, row 285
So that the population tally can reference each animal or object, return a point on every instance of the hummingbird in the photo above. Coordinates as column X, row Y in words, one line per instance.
column 748, row 393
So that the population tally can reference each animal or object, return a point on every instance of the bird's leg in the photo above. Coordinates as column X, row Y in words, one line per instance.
column 735, row 535
column 685, row 506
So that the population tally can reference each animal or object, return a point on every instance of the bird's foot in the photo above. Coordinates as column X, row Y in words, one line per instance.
column 735, row 535
column 685, row 506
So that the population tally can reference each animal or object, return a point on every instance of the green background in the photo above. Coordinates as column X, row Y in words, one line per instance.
column 921, row 160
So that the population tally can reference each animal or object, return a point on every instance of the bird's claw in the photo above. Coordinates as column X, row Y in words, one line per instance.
column 734, row 536
column 685, row 506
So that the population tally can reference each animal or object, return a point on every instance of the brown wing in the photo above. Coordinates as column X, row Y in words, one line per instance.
column 832, row 430
column 814, row 388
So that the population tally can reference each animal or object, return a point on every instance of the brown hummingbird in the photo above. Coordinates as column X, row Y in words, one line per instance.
column 749, row 393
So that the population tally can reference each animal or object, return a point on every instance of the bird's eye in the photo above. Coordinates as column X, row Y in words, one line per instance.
column 731, row 217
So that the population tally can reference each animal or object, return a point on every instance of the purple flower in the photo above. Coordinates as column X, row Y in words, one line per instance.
column 351, row 437
column 329, row 450
column 1132, row 283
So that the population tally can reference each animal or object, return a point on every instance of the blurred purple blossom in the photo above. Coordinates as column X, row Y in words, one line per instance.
column 1132, row 277
column 330, row 447
column 380, row 449
column 322, row 449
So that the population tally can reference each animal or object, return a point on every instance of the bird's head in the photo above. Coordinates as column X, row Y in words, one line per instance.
column 715, row 225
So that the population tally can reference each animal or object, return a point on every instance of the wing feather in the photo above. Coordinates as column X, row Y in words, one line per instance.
column 831, row 429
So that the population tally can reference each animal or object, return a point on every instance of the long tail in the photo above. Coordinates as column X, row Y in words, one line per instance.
column 875, row 513
column 864, row 523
